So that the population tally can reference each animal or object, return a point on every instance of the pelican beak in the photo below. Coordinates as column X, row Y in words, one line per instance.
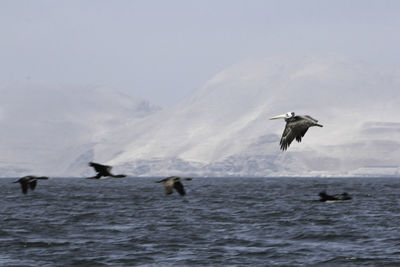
column 278, row 117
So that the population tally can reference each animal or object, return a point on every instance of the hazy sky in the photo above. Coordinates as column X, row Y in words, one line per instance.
column 162, row 50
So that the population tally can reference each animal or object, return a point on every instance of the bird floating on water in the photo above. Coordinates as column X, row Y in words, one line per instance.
column 325, row 197
column 174, row 182
column 103, row 171
column 29, row 181
column 296, row 127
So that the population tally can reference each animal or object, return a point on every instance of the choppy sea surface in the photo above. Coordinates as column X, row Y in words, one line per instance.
column 220, row 222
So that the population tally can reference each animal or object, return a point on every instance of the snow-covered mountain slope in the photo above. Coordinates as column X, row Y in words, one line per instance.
column 223, row 128
column 52, row 129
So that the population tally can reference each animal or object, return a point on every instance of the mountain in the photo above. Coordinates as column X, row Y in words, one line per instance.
column 220, row 129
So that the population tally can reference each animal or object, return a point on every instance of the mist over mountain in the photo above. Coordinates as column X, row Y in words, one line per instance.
column 220, row 129
column 47, row 127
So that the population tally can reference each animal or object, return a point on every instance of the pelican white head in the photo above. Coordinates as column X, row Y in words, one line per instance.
column 283, row 116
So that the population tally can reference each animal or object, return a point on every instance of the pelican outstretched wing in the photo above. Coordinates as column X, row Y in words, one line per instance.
column 179, row 187
column 24, row 187
column 295, row 129
column 308, row 117
column 32, row 184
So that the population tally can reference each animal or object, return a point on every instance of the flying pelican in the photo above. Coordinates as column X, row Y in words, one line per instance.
column 29, row 181
column 174, row 182
column 296, row 127
column 103, row 171
column 325, row 197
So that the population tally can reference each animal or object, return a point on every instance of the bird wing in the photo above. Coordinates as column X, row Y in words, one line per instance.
column 305, row 122
column 104, row 170
column 32, row 184
column 309, row 118
column 294, row 129
column 97, row 167
column 287, row 137
column 179, row 187
column 24, row 187
column 301, row 134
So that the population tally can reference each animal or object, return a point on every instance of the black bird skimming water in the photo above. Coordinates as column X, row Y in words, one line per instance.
column 29, row 181
column 174, row 182
column 103, row 171
column 325, row 197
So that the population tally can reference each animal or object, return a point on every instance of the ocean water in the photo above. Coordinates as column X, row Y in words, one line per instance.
column 220, row 222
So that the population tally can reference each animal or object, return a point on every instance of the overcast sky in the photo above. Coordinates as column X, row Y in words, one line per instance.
column 162, row 50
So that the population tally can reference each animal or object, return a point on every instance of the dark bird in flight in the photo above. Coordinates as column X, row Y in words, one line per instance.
column 103, row 171
column 296, row 127
column 29, row 182
column 325, row 197
column 174, row 182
